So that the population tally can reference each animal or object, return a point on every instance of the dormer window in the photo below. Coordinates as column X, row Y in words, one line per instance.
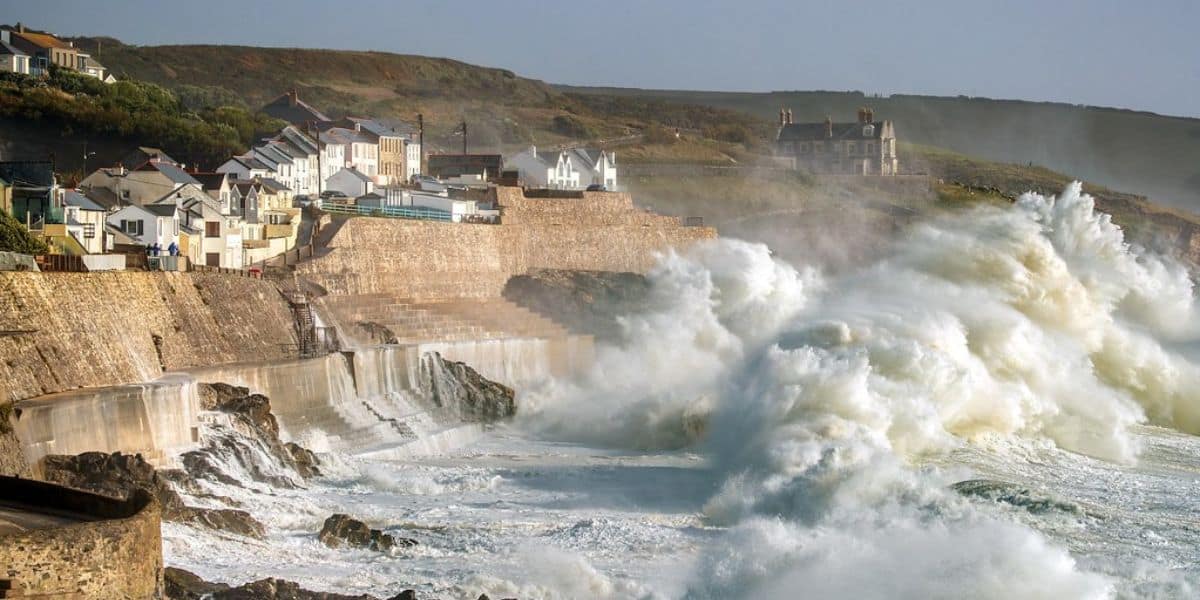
column 869, row 130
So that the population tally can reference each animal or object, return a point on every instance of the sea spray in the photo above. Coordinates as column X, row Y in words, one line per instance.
column 988, row 322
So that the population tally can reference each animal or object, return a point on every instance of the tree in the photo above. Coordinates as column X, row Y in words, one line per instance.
column 15, row 238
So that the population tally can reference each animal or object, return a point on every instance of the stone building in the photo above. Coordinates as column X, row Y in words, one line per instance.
column 864, row 147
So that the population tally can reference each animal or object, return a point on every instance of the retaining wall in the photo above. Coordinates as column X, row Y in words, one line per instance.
column 422, row 260
column 98, row 329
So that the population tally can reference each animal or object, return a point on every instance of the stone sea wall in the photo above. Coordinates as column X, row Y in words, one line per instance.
column 420, row 260
column 96, row 329
column 115, row 554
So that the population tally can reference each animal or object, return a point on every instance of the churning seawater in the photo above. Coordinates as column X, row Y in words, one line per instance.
column 1004, row 407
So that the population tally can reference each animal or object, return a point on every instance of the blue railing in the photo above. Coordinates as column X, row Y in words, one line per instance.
column 394, row 212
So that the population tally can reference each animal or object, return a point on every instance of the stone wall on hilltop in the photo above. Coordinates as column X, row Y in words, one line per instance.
column 99, row 329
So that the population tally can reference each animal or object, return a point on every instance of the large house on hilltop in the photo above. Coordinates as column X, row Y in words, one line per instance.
column 43, row 50
column 567, row 169
column 865, row 147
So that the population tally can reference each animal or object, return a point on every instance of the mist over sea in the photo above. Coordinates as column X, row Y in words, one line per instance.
column 1003, row 407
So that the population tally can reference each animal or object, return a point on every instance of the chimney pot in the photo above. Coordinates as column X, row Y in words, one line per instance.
column 789, row 116
column 828, row 127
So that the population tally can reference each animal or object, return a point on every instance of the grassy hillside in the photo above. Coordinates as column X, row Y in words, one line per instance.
column 1152, row 154
column 504, row 111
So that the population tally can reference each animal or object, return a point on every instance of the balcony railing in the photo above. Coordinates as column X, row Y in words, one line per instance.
column 394, row 212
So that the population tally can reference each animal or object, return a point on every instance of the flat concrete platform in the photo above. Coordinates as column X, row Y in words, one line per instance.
column 16, row 517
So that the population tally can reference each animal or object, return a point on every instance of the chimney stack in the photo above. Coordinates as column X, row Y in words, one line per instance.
column 293, row 97
column 20, row 27
column 782, row 116
column 789, row 116
column 865, row 116
column 828, row 127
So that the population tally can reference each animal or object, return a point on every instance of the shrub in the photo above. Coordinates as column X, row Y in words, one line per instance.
column 572, row 127
column 15, row 238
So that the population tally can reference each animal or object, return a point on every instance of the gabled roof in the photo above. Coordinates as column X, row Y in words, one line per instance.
column 251, row 163
column 273, row 186
column 174, row 173
column 841, row 131
column 102, row 196
column 210, row 181
column 289, row 107
column 42, row 40
column 75, row 198
column 355, row 172
column 244, row 187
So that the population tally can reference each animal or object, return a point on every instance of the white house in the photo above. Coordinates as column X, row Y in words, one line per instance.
column 412, row 158
column 149, row 225
column 85, row 221
column 351, row 182
column 570, row 169
column 12, row 59
column 360, row 151
column 596, row 167
column 552, row 169
column 278, row 161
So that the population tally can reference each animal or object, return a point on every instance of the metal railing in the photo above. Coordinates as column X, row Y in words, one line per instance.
column 394, row 212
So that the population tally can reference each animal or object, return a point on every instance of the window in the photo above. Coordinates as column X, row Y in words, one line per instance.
column 132, row 227
column 803, row 147
column 89, row 231
column 176, row 226
column 850, row 147
column 870, row 148
column 212, row 229
column 125, row 194
column 868, row 130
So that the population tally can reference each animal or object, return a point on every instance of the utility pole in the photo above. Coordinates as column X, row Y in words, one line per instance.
column 320, row 175
column 421, row 143
column 464, row 125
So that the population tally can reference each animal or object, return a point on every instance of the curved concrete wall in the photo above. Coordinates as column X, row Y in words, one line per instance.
column 109, row 549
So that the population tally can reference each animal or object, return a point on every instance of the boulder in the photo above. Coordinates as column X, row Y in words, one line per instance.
column 117, row 475
column 183, row 585
column 463, row 393
column 342, row 530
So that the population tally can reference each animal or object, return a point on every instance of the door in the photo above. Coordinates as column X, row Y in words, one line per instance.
column 212, row 259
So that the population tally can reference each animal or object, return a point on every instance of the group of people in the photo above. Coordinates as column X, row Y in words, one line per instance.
column 156, row 250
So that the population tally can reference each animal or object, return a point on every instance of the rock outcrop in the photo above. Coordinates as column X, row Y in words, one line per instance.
column 118, row 475
column 184, row 585
column 343, row 531
column 12, row 457
column 463, row 392
column 250, row 433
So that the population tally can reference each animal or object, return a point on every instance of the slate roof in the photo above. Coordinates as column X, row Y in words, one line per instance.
column 103, row 197
column 160, row 210
column 75, row 198
column 297, row 113
column 210, row 181
column 273, row 185
column 174, row 173
column 6, row 48
column 359, row 174
column 252, row 163
column 118, row 236
column 37, row 173
column 816, row 131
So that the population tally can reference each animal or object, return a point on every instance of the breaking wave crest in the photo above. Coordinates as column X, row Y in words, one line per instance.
column 817, row 399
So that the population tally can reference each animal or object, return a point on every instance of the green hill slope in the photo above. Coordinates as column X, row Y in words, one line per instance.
column 1136, row 151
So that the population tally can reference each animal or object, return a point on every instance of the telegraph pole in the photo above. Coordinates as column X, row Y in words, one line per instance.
column 421, row 143
column 320, row 179
column 464, row 124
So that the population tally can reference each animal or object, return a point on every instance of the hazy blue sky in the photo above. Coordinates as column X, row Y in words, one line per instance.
column 1143, row 55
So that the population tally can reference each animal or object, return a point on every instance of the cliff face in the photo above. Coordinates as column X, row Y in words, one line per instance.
column 99, row 329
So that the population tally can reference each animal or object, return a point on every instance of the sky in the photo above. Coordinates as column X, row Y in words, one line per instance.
column 1141, row 55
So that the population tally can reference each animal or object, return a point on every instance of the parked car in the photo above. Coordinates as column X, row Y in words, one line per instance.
column 330, row 194
column 302, row 201
column 596, row 187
